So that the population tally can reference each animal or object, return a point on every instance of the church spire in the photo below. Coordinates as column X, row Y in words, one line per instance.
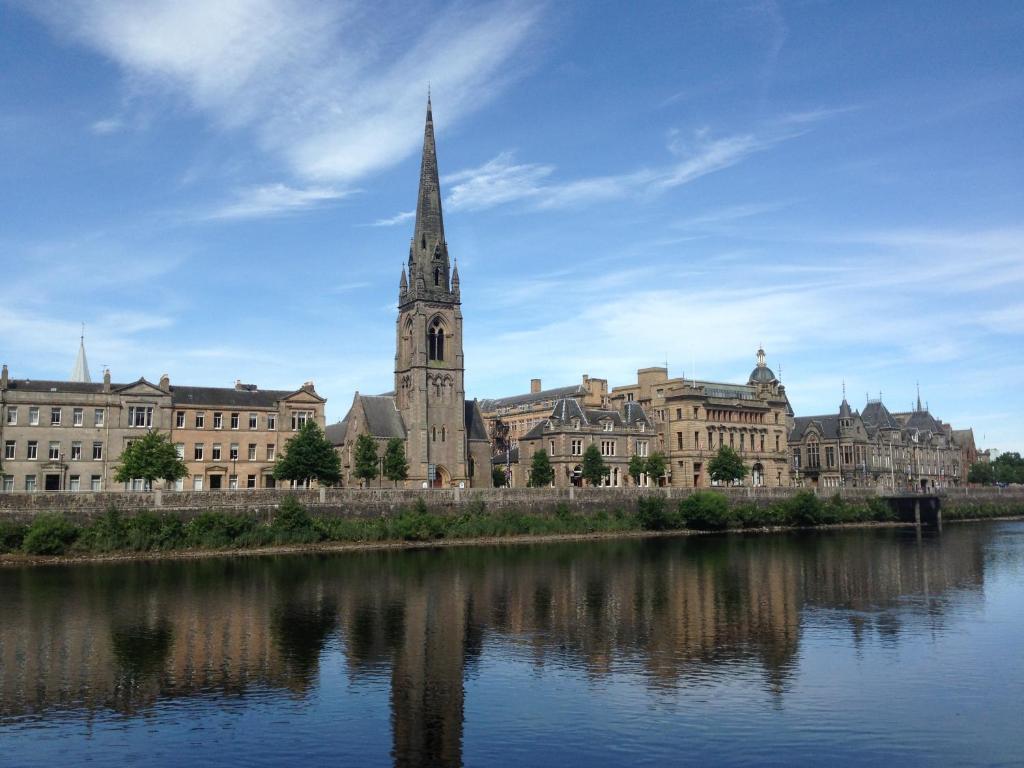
column 429, row 231
column 81, row 370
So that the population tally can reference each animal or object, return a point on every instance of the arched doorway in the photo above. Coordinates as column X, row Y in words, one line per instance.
column 442, row 479
column 757, row 475
column 577, row 476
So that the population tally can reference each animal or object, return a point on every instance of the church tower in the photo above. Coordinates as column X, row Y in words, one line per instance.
column 429, row 389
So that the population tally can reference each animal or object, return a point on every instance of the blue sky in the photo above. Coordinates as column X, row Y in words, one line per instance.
column 223, row 191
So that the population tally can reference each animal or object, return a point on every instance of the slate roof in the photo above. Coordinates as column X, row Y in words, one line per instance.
column 382, row 416
column 491, row 405
column 922, row 420
column 336, row 432
column 876, row 415
column 567, row 409
column 475, row 428
column 42, row 385
column 228, row 397
column 828, row 424
column 499, row 459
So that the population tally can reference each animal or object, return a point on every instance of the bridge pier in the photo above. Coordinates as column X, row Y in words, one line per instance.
column 917, row 509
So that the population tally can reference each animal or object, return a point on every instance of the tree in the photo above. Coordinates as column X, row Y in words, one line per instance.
column 726, row 466
column 594, row 468
column 541, row 471
column 151, row 457
column 1008, row 468
column 498, row 477
column 637, row 466
column 981, row 472
column 656, row 465
column 366, row 458
column 307, row 456
column 395, row 466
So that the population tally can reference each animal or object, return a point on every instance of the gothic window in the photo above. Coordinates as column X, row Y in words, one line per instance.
column 437, row 276
column 435, row 340
column 423, row 242
column 444, row 433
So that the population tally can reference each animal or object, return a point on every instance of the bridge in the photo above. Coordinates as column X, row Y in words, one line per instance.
column 917, row 508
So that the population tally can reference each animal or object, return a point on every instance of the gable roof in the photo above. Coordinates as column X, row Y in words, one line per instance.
column 383, row 418
column 475, row 429
column 827, row 424
column 877, row 415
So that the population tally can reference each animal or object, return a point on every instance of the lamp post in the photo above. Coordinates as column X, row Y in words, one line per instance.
column 380, row 479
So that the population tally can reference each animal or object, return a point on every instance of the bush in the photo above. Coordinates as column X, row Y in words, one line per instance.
column 652, row 514
column 417, row 524
column 12, row 535
column 293, row 525
column 50, row 535
column 804, row 508
column 106, row 533
column 706, row 510
column 217, row 530
column 753, row 515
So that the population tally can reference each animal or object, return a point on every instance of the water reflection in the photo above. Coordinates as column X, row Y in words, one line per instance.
column 674, row 612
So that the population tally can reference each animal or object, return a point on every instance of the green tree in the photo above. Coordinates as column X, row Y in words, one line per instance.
column 594, row 468
column 981, row 472
column 151, row 457
column 1009, row 468
column 366, row 458
column 395, row 466
column 637, row 466
column 307, row 456
column 656, row 465
column 726, row 466
column 541, row 472
column 498, row 477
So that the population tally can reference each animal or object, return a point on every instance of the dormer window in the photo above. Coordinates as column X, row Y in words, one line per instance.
column 608, row 425
column 576, row 423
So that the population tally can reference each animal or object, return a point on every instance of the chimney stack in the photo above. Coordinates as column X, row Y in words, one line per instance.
column 106, row 379
column 3, row 377
column 165, row 383
column 534, row 386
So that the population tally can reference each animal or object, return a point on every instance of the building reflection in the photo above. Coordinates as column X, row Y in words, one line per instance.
column 672, row 612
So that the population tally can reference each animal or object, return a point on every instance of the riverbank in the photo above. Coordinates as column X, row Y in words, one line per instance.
column 53, row 539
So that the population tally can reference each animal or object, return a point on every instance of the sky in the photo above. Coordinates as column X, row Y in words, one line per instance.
column 224, row 191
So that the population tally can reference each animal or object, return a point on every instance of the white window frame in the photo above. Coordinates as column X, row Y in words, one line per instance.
column 198, row 451
column 53, row 450
column 179, row 419
column 254, row 421
column 78, row 417
column 272, row 421
column 271, row 451
column 201, row 420
column 30, row 483
column 179, row 450
column 96, row 482
column 215, row 452
column 253, row 447
column 8, row 483
column 97, row 450
column 233, row 452
column 140, row 416
column 218, row 420
column 12, row 415
column 10, row 450
column 76, row 450
column 99, row 417
column 33, row 415
column 56, row 416
column 32, row 450
column 299, row 419
column 236, row 419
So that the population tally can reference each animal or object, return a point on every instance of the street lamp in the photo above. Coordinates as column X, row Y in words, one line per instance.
column 380, row 479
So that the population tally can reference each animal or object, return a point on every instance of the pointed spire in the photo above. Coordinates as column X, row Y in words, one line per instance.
column 403, row 284
column 919, row 395
column 81, row 369
column 429, row 230
column 455, row 274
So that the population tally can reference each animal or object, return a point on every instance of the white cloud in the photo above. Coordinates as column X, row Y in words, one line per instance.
column 336, row 89
column 398, row 218
column 274, row 200
column 107, row 126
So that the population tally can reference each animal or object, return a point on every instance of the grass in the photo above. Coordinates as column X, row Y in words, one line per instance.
column 51, row 534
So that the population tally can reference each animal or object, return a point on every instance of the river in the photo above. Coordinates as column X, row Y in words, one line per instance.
column 855, row 647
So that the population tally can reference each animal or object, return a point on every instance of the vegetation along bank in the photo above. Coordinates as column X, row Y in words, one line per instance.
column 292, row 524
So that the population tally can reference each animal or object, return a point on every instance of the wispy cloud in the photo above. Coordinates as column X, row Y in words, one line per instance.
column 398, row 218
column 274, row 200
column 107, row 126
column 335, row 89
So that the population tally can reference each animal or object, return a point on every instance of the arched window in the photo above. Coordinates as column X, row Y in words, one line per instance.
column 444, row 433
column 437, row 276
column 433, row 434
column 435, row 340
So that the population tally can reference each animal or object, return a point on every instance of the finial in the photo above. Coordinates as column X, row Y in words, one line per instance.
column 82, row 337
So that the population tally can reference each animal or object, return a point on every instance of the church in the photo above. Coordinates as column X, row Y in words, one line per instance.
column 445, row 439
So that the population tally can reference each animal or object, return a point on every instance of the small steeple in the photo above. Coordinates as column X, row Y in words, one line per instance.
column 919, row 395
column 81, row 369
column 403, row 284
column 455, row 276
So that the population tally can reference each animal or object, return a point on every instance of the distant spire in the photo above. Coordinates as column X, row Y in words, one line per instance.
column 919, row 395
column 81, row 370
column 403, row 284
column 455, row 274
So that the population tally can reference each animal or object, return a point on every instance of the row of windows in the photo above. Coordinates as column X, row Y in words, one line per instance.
column 53, row 450
column 216, row 452
column 299, row 418
column 608, row 447
column 56, row 416
column 75, row 483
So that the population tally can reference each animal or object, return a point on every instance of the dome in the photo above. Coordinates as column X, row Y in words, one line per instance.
column 762, row 374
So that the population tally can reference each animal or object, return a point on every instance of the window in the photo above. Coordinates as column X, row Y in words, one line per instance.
column 179, row 484
column 271, row 452
column 641, row 448
column 179, row 450
column 607, row 447
column 776, row 442
column 197, row 482
column 179, row 419
column 743, row 438
column 234, row 421
column 233, row 482
column 444, row 434
column 696, row 440
column 299, row 419
column 679, row 440
column 847, row 454
column 32, row 452
column 97, row 451
column 98, row 415
column 796, row 458
column 629, row 397
column 8, row 483
column 253, row 421
column 33, row 416
column 252, row 451
column 215, row 454
column 76, row 451
column 197, row 452
column 551, row 447
column 271, row 421
column 577, row 447
column 9, row 449
column 250, row 481
column 95, row 483
column 30, row 482
column 233, row 452
column 140, row 416
column 762, row 443
column 608, row 426
column 679, row 413
column 813, row 456
column 435, row 340
column 830, row 456
column 696, row 411
column 78, row 417
column 55, row 416
column 12, row 415
column 200, row 420
column 218, row 420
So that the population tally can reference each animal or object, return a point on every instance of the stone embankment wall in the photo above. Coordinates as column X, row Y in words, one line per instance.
column 372, row 502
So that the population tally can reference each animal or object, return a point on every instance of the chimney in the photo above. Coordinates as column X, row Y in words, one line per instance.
column 165, row 383
column 534, row 386
column 238, row 384
column 106, row 379
column 308, row 386
column 3, row 377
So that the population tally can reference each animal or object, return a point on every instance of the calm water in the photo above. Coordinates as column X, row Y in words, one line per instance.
column 858, row 647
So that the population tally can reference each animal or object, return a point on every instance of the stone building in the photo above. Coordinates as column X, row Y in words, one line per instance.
column 508, row 418
column 570, row 428
column 69, row 435
column 694, row 418
column 444, row 434
column 878, row 449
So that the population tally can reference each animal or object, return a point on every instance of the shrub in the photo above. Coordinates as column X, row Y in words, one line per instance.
column 705, row 510
column 804, row 508
column 292, row 525
column 652, row 514
column 12, row 535
column 417, row 524
column 106, row 533
column 757, row 516
column 216, row 530
column 50, row 535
